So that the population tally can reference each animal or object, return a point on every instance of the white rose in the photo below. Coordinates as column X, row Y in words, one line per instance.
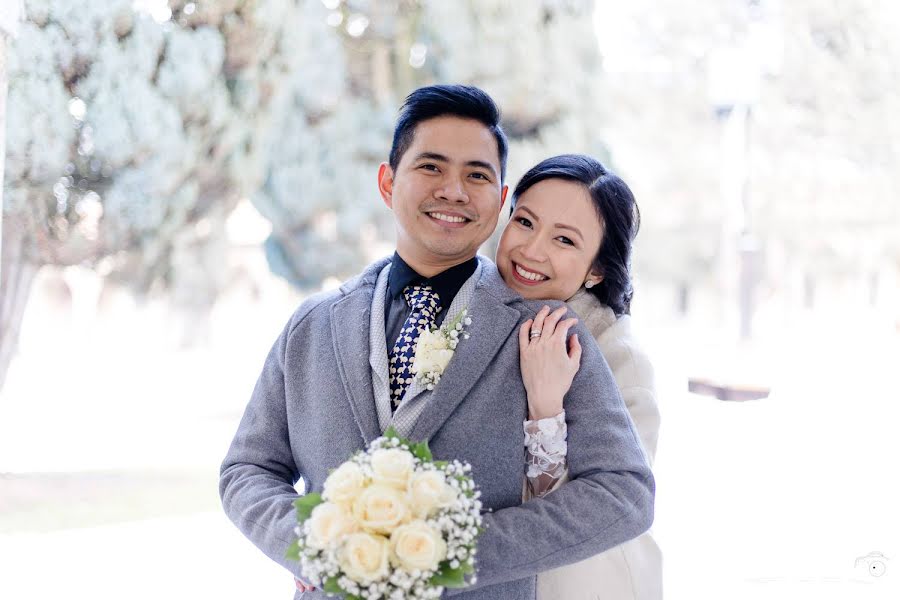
column 417, row 545
column 328, row 523
column 428, row 491
column 344, row 484
column 364, row 557
column 381, row 508
column 433, row 353
column 392, row 466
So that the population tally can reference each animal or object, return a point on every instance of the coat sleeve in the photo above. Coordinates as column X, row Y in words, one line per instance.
column 608, row 499
column 256, row 481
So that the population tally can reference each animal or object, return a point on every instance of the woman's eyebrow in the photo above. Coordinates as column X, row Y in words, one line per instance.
column 569, row 227
column 530, row 212
column 534, row 217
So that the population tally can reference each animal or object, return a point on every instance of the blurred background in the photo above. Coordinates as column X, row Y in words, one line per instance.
column 179, row 175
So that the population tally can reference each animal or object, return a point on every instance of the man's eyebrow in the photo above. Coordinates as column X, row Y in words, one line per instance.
column 471, row 163
column 482, row 165
column 557, row 225
column 432, row 156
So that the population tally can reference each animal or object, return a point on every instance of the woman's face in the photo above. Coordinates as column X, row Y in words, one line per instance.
column 551, row 239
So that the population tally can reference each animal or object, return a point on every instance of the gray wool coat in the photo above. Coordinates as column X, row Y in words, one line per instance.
column 313, row 407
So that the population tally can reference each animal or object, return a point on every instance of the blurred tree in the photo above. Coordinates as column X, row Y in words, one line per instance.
column 130, row 137
column 822, row 156
column 136, row 126
column 10, row 17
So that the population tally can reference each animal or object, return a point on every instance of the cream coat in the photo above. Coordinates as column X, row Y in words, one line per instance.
column 632, row 570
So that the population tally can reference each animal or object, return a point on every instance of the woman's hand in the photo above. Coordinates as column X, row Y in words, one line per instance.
column 548, row 366
column 304, row 587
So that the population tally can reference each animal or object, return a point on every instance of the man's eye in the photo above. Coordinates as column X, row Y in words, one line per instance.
column 523, row 221
column 566, row 240
column 481, row 176
column 429, row 167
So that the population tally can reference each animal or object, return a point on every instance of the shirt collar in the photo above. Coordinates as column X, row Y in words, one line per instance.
column 446, row 283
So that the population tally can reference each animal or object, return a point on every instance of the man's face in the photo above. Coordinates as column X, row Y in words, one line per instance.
column 446, row 193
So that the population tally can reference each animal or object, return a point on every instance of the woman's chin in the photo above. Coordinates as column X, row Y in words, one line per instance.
column 536, row 291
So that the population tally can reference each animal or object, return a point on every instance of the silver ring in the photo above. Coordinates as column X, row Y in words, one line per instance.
column 535, row 333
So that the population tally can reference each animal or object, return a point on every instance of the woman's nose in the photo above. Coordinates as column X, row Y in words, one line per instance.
column 534, row 249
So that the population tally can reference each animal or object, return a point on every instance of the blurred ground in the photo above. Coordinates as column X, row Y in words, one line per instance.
column 111, row 434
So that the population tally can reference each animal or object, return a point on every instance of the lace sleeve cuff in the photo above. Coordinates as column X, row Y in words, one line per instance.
column 545, row 451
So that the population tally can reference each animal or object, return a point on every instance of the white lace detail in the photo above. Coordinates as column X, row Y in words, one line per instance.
column 545, row 450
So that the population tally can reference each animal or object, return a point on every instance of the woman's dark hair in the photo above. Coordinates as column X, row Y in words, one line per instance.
column 619, row 218
column 464, row 101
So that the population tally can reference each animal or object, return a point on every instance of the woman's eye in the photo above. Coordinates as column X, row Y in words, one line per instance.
column 523, row 221
column 566, row 240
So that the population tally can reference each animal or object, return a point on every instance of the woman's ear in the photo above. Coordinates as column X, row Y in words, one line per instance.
column 594, row 277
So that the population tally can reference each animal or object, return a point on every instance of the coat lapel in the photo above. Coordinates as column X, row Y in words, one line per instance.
column 493, row 320
column 350, row 336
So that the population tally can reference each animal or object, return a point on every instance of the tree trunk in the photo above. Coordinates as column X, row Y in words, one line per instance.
column 17, row 273
column 4, row 82
column 17, row 266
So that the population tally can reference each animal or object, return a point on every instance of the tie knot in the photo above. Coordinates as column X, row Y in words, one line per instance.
column 422, row 297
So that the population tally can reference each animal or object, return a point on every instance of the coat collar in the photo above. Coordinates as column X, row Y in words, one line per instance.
column 350, row 337
column 493, row 321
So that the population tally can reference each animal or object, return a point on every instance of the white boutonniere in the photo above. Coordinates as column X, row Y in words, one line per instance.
column 435, row 348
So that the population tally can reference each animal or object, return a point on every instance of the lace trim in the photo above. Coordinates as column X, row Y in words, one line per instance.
column 545, row 449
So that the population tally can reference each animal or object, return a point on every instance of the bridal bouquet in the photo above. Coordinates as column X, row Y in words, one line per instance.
column 390, row 523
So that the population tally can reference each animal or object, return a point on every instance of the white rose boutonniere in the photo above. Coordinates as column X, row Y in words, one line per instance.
column 435, row 348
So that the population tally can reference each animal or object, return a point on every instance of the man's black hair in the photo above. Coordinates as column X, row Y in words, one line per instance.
column 463, row 101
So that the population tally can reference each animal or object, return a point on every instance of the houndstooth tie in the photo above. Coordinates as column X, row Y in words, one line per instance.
column 425, row 305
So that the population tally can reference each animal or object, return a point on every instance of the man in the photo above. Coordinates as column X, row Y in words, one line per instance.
column 338, row 376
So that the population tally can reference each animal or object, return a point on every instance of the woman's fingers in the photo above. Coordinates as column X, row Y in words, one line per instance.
column 549, row 326
column 562, row 329
column 524, row 332
column 575, row 349
column 539, row 319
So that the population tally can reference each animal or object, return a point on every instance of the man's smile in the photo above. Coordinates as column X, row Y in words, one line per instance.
column 448, row 219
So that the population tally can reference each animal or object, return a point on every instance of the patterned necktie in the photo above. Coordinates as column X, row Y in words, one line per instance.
column 425, row 305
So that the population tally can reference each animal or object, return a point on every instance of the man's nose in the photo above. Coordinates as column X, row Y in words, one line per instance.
column 453, row 190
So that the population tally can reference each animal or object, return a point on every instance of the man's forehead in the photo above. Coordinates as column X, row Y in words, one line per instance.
column 456, row 138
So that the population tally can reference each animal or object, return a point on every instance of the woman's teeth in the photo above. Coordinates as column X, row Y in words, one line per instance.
column 529, row 275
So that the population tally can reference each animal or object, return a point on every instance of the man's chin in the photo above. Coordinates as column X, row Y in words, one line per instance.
column 455, row 253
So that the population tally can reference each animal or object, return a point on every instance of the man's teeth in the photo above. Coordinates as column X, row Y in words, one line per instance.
column 529, row 275
column 448, row 218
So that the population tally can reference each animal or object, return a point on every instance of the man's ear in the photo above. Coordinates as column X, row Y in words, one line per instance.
column 503, row 193
column 386, row 184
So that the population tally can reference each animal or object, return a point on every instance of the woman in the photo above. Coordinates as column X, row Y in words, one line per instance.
column 569, row 238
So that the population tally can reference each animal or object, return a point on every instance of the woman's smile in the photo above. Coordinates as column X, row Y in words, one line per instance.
column 527, row 276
